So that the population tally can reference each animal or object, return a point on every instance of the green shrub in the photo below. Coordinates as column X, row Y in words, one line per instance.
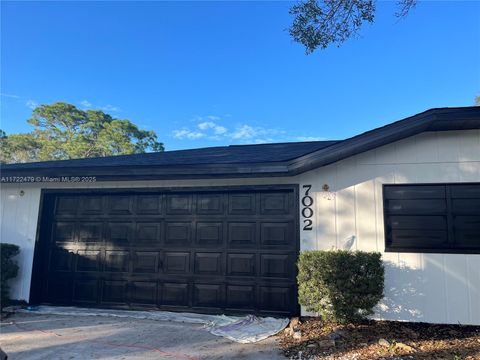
column 342, row 286
column 9, row 269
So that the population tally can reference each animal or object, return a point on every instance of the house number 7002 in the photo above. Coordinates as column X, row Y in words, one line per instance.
column 307, row 212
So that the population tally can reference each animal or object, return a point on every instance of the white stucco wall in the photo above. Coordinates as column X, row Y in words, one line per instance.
column 18, row 221
column 439, row 288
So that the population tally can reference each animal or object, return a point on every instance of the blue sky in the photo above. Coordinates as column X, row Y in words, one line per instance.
column 216, row 73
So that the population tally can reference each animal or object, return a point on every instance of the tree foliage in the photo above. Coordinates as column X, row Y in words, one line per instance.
column 62, row 131
column 320, row 23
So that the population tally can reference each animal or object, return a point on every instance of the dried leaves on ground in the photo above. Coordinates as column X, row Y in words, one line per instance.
column 313, row 339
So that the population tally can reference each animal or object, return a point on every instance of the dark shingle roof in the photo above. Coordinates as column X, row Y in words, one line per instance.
column 234, row 154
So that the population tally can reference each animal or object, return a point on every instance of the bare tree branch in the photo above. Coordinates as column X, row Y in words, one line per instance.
column 404, row 7
column 321, row 23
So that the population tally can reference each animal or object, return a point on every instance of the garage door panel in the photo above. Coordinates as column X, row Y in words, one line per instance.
column 90, row 232
column 275, row 266
column 149, row 204
column 275, row 298
column 114, row 291
column 207, row 251
column 148, row 232
column 117, row 261
column 119, row 205
column 211, row 204
column 144, row 292
column 179, row 204
column 241, row 234
column 208, row 295
column 275, row 204
column 175, row 294
column 145, row 262
column 85, row 291
column 242, row 204
column 66, row 206
column 176, row 262
column 241, row 265
column 119, row 232
column 62, row 260
column 91, row 205
column 240, row 297
column 88, row 260
column 63, row 232
column 208, row 263
column 209, row 234
column 276, row 233
column 178, row 233
column 60, row 289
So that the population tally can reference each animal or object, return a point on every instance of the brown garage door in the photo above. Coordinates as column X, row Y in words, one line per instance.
column 209, row 251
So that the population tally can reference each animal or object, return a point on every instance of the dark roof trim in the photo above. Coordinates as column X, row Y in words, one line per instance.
column 441, row 119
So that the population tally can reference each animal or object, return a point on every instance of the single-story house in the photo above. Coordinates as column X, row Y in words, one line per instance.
column 219, row 229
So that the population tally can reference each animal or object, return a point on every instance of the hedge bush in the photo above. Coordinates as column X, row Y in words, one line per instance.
column 9, row 269
column 339, row 285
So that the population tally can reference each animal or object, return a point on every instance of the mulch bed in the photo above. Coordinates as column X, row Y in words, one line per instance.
column 313, row 339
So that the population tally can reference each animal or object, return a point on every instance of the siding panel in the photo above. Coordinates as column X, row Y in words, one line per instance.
column 434, row 288
column 456, row 282
column 419, row 287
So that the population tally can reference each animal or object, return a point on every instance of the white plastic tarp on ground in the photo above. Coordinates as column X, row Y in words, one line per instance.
column 245, row 329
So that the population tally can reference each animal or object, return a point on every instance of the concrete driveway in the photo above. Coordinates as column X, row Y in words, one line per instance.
column 31, row 336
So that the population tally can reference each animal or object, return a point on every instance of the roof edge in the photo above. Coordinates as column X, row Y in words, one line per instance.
column 437, row 119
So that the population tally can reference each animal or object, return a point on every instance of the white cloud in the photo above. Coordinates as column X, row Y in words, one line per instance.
column 207, row 118
column 207, row 127
column 10, row 96
column 309, row 138
column 32, row 104
column 244, row 132
column 86, row 103
column 248, row 132
column 264, row 141
column 109, row 107
column 187, row 134
column 217, row 129
column 220, row 130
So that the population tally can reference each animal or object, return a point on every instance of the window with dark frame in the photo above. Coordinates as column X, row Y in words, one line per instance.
column 443, row 218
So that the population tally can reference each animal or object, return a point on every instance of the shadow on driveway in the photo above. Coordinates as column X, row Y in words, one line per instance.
column 32, row 336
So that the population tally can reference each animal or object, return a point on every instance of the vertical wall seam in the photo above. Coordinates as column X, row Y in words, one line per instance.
column 355, row 214
column 33, row 217
column 335, row 206
column 27, row 200
column 416, row 152
column 317, row 218
column 469, row 302
column 3, row 200
column 375, row 212
column 437, row 149
column 444, row 267
column 20, row 236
